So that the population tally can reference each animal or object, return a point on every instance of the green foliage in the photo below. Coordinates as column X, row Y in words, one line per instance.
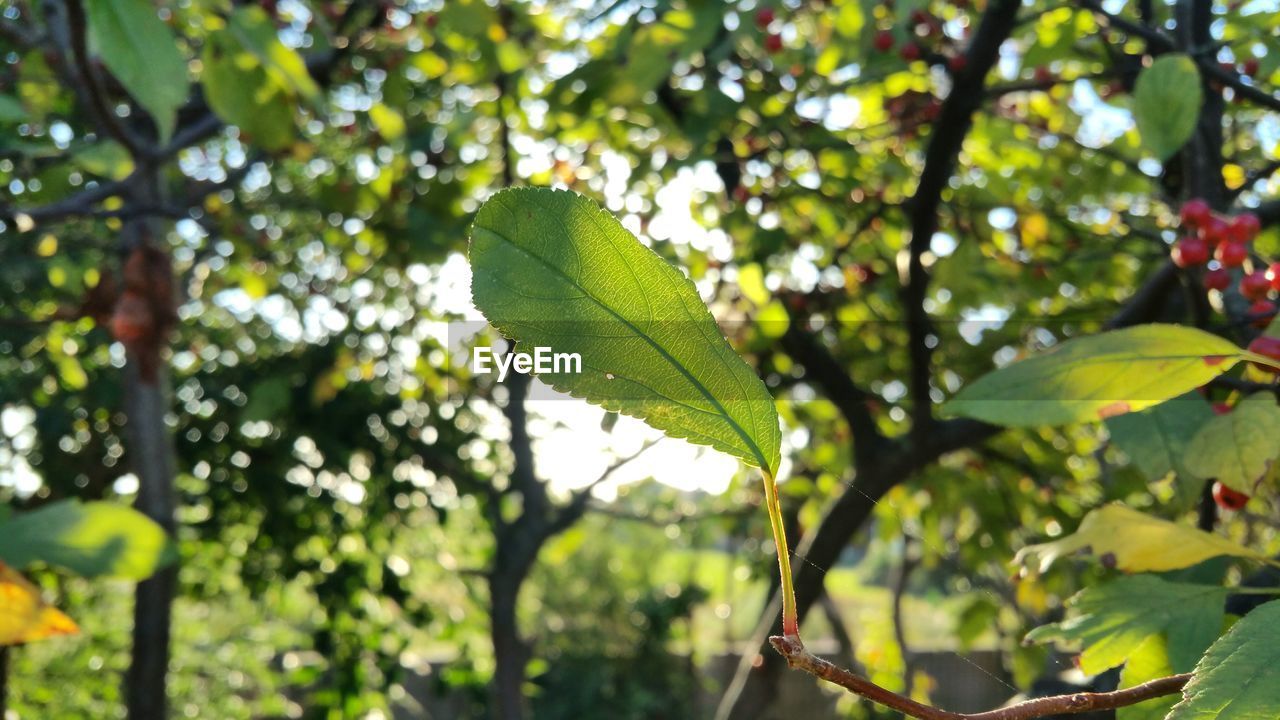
column 257, row 35
column 141, row 51
column 1239, row 447
column 337, row 470
column 1112, row 621
column 1149, row 661
column 227, row 652
column 91, row 539
column 11, row 110
column 1156, row 440
column 1239, row 677
column 553, row 270
column 1166, row 103
column 1100, row 376
column 252, row 80
column 615, row 626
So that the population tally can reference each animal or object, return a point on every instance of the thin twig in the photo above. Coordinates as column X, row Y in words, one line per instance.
column 1158, row 42
column 801, row 659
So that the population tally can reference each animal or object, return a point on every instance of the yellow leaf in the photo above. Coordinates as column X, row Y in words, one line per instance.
column 751, row 284
column 1233, row 176
column 24, row 616
column 48, row 246
column 1035, row 230
column 390, row 123
column 253, row 285
column 1032, row 596
column 1136, row 541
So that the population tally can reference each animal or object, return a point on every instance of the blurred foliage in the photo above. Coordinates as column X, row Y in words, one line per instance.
column 335, row 454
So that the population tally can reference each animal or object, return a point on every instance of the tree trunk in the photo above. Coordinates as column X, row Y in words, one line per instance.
column 153, row 461
column 4, row 682
column 509, row 652
column 152, row 456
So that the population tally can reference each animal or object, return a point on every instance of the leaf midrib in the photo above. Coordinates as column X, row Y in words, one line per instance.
column 751, row 444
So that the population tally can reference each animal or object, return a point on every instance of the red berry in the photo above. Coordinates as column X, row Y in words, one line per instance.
column 1217, row 279
column 1255, row 285
column 1262, row 312
column 958, row 63
column 923, row 23
column 1221, row 408
column 1267, row 347
column 773, row 43
column 1043, row 75
column 1244, row 227
column 883, row 41
column 1195, row 212
column 765, row 18
column 1251, row 67
column 910, row 52
column 1215, row 230
column 1190, row 251
column 1232, row 254
column 1227, row 498
column 1274, row 275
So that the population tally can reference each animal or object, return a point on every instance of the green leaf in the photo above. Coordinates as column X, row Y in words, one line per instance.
column 241, row 94
column 390, row 124
column 1239, row 678
column 253, row 81
column 1136, row 542
column 11, row 111
column 254, row 30
column 1097, row 377
column 1111, row 621
column 92, row 539
column 269, row 400
column 1156, row 439
column 1238, row 448
column 143, row 54
column 1149, row 661
column 1167, row 99
column 107, row 159
column 551, row 269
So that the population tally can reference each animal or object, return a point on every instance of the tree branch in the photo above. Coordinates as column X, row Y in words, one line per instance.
column 96, row 95
column 571, row 513
column 1158, row 42
column 81, row 204
column 801, row 659
column 25, row 38
column 954, row 121
column 822, row 367
column 900, row 582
